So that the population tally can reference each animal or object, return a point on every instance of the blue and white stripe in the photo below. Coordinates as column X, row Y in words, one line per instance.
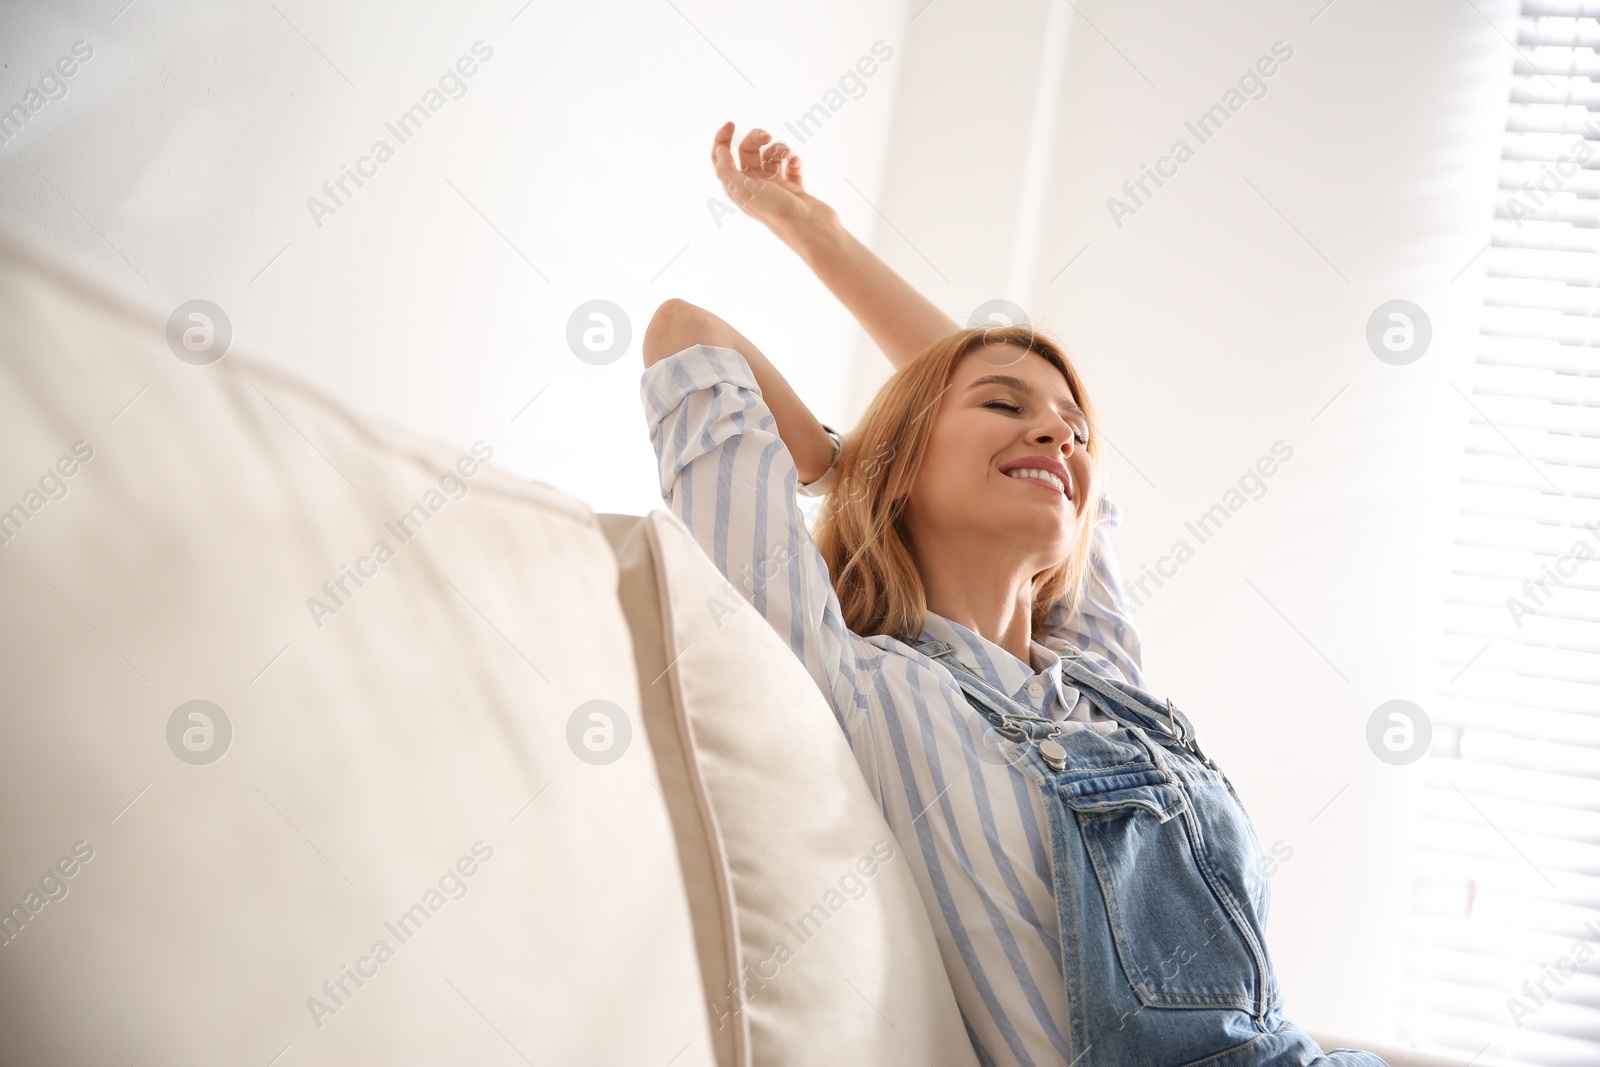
column 971, row 827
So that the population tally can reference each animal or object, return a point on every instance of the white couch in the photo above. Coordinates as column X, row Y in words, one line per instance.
column 478, row 776
column 407, row 851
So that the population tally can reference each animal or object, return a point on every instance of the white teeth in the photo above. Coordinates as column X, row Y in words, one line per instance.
column 1034, row 472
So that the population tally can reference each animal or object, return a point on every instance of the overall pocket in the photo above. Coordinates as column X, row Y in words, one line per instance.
column 1180, row 932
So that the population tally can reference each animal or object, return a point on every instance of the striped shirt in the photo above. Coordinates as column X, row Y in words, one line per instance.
column 970, row 824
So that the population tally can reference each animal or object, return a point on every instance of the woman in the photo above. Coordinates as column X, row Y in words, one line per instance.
column 1097, row 891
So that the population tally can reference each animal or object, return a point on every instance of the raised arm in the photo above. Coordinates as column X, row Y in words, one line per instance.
column 765, row 181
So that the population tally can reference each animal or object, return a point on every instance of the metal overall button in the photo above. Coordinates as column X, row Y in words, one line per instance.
column 1052, row 751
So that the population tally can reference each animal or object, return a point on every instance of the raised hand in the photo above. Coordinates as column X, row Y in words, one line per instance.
column 765, row 182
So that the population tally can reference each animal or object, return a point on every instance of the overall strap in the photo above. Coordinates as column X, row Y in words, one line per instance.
column 997, row 707
column 1135, row 702
column 1127, row 704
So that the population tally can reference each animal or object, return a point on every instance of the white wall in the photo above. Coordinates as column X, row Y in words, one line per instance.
column 184, row 152
column 1228, row 313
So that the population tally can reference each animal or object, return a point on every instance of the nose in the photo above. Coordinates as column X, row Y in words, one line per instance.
column 1059, row 431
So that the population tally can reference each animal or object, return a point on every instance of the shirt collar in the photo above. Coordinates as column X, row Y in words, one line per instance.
column 994, row 664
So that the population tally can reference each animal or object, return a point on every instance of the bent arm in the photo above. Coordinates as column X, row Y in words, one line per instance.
column 678, row 324
column 727, row 476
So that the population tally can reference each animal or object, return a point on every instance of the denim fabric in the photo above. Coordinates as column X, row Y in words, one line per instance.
column 1160, row 886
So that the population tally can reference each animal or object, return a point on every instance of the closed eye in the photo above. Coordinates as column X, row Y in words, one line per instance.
column 1004, row 404
column 1082, row 439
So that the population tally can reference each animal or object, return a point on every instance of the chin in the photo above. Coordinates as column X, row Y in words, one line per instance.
column 1062, row 526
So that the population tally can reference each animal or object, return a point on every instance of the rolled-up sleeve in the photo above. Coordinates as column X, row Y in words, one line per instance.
column 729, row 477
column 1101, row 625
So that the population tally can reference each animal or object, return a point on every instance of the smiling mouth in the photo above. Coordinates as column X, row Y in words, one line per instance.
column 1042, row 478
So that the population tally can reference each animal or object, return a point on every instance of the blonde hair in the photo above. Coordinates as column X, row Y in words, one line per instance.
column 859, row 530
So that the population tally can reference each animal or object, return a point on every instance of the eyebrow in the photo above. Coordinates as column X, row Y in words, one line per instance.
column 1069, row 408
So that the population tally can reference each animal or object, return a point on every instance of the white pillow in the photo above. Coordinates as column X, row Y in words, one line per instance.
column 836, row 958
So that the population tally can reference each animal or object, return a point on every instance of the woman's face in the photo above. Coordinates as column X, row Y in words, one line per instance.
column 1006, row 417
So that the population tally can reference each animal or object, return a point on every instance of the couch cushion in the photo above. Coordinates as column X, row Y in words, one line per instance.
column 407, row 851
column 835, row 958
column 706, row 875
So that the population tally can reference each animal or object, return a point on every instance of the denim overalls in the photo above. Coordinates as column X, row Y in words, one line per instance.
column 1160, row 886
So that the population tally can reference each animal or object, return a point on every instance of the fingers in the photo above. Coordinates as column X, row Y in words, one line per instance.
column 722, row 140
column 722, row 154
column 758, row 157
column 738, row 184
column 758, row 161
column 774, row 161
column 750, row 149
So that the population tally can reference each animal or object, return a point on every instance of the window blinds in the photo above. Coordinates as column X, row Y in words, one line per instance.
column 1503, row 952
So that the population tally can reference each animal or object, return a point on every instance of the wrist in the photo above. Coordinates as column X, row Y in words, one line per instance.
column 814, row 233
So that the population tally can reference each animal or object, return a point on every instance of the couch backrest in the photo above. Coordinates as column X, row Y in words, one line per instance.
column 314, row 731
